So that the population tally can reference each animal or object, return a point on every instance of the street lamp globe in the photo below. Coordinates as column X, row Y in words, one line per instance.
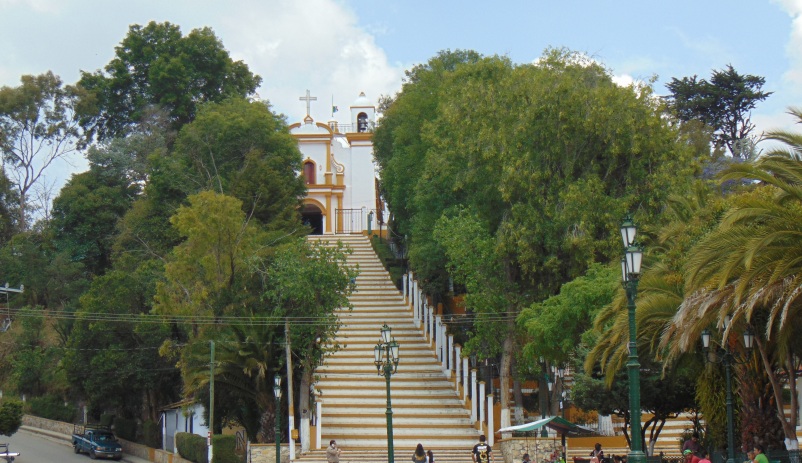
column 706, row 339
column 628, row 231
column 749, row 339
column 277, row 386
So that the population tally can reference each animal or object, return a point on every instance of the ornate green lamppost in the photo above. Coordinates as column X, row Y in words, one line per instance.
column 728, row 356
column 277, row 394
column 630, row 269
column 385, row 357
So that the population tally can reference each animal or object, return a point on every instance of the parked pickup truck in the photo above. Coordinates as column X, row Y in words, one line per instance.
column 97, row 441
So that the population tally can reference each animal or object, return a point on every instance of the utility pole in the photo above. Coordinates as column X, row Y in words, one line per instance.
column 211, row 402
column 290, row 404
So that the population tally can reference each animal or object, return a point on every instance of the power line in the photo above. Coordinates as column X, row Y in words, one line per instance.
column 232, row 320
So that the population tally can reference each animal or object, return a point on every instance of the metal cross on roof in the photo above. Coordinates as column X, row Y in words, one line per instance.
column 308, row 98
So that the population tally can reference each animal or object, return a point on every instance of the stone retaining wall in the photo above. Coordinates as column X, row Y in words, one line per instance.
column 49, row 425
column 266, row 453
column 154, row 455
column 513, row 448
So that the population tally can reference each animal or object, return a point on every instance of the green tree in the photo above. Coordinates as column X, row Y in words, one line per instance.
column 724, row 103
column 8, row 213
column 35, row 363
column 531, row 167
column 10, row 417
column 207, row 274
column 113, row 359
column 555, row 326
column 37, row 127
column 399, row 146
column 243, row 286
column 242, row 149
column 52, row 280
column 663, row 396
column 157, row 66
column 306, row 283
column 85, row 216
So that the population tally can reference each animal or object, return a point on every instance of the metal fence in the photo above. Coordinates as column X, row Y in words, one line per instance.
column 350, row 221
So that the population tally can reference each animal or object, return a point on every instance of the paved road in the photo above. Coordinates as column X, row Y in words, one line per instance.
column 35, row 448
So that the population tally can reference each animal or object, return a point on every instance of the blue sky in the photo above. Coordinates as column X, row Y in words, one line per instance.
column 340, row 48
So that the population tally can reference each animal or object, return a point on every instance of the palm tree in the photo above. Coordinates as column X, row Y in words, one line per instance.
column 750, row 268
column 246, row 359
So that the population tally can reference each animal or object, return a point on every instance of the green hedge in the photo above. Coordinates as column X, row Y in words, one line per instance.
column 125, row 429
column 51, row 407
column 192, row 447
column 394, row 267
column 225, row 449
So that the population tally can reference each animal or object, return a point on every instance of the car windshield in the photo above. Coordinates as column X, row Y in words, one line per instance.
column 104, row 437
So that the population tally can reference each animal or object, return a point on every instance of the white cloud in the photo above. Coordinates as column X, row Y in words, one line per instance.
column 316, row 45
column 40, row 6
column 793, row 76
column 623, row 80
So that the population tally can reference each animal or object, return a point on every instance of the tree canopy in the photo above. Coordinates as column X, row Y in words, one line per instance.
column 724, row 103
column 37, row 127
column 522, row 173
column 155, row 65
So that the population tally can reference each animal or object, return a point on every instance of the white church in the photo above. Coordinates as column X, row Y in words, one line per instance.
column 341, row 177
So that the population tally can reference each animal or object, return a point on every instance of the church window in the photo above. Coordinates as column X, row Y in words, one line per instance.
column 309, row 172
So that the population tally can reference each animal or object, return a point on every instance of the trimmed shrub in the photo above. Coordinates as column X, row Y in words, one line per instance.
column 10, row 417
column 192, row 447
column 224, row 449
column 152, row 434
column 52, row 408
column 125, row 429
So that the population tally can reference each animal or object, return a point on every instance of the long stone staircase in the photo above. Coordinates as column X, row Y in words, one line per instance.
column 425, row 405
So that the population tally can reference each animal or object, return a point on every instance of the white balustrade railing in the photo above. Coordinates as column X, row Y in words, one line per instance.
column 490, row 419
column 474, row 387
column 449, row 354
column 319, row 423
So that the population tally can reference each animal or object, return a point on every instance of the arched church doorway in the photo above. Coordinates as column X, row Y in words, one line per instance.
column 312, row 217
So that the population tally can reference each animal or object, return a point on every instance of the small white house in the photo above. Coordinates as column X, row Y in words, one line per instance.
column 184, row 416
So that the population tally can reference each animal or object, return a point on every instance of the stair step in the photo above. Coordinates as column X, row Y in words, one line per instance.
column 425, row 404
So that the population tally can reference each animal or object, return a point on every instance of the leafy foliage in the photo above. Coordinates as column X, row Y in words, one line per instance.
column 724, row 103
column 156, row 65
column 224, row 449
column 125, row 428
column 746, row 267
column 192, row 447
column 85, row 216
column 51, row 407
column 662, row 396
column 521, row 175
column 37, row 127
column 556, row 325
column 10, row 417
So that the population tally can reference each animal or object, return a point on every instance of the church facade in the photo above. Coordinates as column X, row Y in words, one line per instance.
column 341, row 177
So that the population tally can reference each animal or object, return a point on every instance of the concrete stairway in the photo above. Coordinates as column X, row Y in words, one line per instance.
column 426, row 408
